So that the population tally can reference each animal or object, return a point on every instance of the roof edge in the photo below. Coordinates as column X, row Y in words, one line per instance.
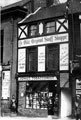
column 29, row 15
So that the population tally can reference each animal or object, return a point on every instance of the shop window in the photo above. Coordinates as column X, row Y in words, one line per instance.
column 42, row 95
column 33, row 30
column 52, row 58
column 50, row 27
column 32, row 60
column 37, row 95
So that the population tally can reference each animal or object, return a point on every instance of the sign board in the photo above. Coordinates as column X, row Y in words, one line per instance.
column 6, row 84
column 64, row 56
column 78, row 84
column 41, row 58
column 43, row 40
column 36, row 78
column 21, row 60
column 78, row 92
column 6, row 67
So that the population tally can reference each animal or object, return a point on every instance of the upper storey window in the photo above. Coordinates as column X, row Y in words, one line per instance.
column 33, row 30
column 50, row 27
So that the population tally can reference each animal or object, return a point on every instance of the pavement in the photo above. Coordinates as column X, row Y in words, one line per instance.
column 32, row 118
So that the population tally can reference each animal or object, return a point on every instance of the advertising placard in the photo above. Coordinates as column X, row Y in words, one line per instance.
column 78, row 84
column 64, row 56
column 41, row 58
column 43, row 40
column 21, row 60
column 5, row 84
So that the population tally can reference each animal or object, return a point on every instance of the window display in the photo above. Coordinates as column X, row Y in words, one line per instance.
column 42, row 95
column 37, row 100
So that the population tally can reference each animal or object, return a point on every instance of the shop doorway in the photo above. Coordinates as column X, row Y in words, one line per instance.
column 53, row 99
column 66, row 102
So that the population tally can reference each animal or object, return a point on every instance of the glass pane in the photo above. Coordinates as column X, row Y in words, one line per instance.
column 50, row 27
column 49, row 24
column 52, row 58
column 33, row 30
column 32, row 60
column 38, row 98
column 51, row 30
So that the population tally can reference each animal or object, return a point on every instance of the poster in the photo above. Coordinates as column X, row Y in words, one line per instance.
column 6, row 84
column 78, row 84
column 41, row 58
column 21, row 60
column 64, row 56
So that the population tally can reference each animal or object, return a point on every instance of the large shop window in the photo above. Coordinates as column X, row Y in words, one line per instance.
column 37, row 95
column 52, row 57
column 42, row 95
column 32, row 60
column 50, row 27
column 33, row 30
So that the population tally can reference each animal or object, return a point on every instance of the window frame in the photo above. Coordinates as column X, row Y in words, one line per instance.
column 31, row 50
column 47, row 59
column 49, row 27
column 36, row 30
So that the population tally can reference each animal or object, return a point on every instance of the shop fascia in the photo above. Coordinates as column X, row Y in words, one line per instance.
column 58, row 38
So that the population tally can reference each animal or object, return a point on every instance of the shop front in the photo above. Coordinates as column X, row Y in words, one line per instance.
column 43, row 68
column 38, row 98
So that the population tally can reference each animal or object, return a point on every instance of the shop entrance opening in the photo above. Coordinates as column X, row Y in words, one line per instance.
column 53, row 99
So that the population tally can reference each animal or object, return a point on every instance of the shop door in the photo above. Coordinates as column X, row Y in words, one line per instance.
column 53, row 99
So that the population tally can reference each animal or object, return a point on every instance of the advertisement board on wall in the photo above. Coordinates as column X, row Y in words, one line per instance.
column 21, row 60
column 64, row 56
column 41, row 58
column 43, row 40
column 78, row 84
column 6, row 84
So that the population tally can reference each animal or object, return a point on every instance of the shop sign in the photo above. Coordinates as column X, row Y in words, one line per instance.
column 43, row 40
column 78, row 84
column 6, row 84
column 6, row 67
column 64, row 56
column 41, row 58
column 21, row 60
column 78, row 91
column 36, row 78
